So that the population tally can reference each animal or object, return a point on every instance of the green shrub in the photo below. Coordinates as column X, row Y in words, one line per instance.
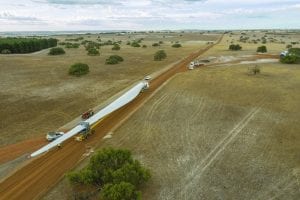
column 261, row 49
column 135, row 44
column 114, row 59
column 56, row 51
column 114, row 172
column 160, row 55
column 235, row 47
column 144, row 46
column 177, row 45
column 72, row 45
column 93, row 52
column 116, row 47
column 289, row 59
column 155, row 45
column 79, row 69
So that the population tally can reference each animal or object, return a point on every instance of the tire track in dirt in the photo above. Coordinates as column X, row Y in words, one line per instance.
column 218, row 149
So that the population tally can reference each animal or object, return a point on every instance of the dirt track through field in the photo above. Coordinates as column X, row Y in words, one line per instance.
column 42, row 173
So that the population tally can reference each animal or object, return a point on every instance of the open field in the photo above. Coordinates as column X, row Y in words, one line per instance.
column 37, row 94
column 38, row 176
column 218, row 133
column 211, row 133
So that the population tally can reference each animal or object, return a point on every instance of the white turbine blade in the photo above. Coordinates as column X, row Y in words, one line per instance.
column 118, row 103
column 59, row 140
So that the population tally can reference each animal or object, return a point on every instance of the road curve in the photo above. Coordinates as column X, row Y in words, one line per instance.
column 38, row 176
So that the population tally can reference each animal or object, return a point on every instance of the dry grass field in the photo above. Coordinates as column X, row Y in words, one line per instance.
column 38, row 95
column 218, row 133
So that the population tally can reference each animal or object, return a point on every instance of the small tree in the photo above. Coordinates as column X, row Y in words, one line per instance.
column 114, row 59
column 289, row 59
column 56, row 51
column 235, row 47
column 144, row 46
column 155, row 45
column 160, row 55
column 115, row 172
column 135, row 44
column 177, row 45
column 79, row 69
column 116, row 47
column 93, row 52
column 261, row 49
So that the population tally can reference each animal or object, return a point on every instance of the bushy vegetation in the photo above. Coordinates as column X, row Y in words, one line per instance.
column 155, row 45
column 261, row 49
column 235, row 47
column 25, row 45
column 115, row 173
column 177, row 45
column 160, row 55
column 72, row 45
column 114, row 59
column 74, row 39
column 135, row 44
column 93, row 52
column 293, row 56
column 56, row 51
column 144, row 46
column 79, row 69
column 116, row 47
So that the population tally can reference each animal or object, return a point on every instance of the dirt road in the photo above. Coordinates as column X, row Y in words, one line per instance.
column 36, row 178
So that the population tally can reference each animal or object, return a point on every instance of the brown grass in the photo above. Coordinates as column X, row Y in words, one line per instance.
column 38, row 95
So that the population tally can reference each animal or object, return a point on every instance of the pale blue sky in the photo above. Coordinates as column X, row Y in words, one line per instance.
column 58, row 15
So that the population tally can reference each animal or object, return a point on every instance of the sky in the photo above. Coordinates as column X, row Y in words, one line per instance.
column 74, row 15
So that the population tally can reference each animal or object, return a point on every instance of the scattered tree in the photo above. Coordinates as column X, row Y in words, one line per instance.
column 160, row 55
column 155, row 45
column 177, row 45
column 116, row 47
column 235, row 47
column 56, row 51
column 261, row 49
column 78, row 69
column 114, row 59
column 135, row 44
column 93, row 52
column 289, row 59
column 114, row 172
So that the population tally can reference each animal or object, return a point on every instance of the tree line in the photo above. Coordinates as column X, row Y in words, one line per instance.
column 25, row 45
